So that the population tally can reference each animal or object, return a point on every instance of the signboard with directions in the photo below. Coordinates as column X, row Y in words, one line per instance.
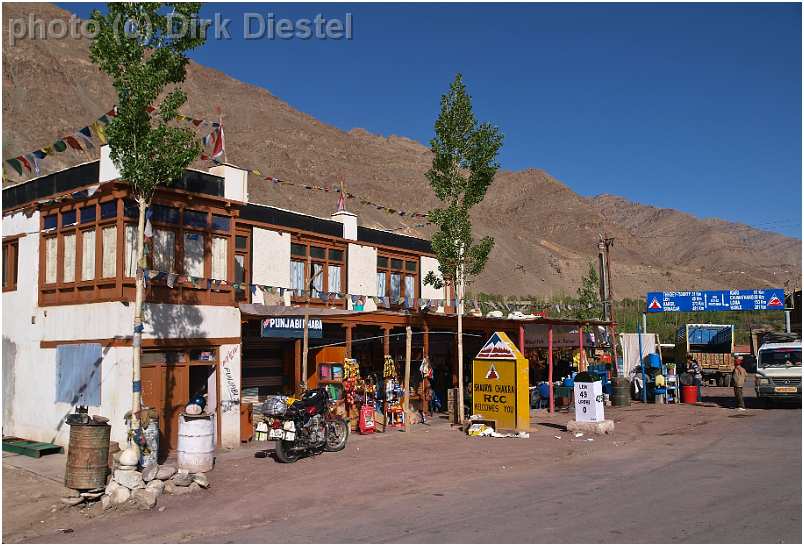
column 763, row 299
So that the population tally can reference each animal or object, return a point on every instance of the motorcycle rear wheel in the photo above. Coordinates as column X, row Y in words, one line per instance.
column 336, row 435
column 285, row 452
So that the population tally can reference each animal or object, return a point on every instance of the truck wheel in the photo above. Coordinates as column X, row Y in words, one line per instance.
column 727, row 381
column 720, row 381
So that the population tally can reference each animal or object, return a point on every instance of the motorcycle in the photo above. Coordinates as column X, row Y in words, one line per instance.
column 308, row 426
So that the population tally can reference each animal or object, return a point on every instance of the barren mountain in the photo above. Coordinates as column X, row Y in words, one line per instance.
column 545, row 233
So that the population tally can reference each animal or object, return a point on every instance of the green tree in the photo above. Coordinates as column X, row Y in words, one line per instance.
column 142, row 47
column 589, row 295
column 464, row 165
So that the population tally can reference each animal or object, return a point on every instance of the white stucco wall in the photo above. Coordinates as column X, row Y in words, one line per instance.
column 270, row 251
column 427, row 265
column 361, row 270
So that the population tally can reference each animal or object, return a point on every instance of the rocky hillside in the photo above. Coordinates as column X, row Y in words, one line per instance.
column 545, row 233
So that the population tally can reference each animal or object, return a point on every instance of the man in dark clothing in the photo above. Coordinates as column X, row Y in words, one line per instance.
column 738, row 378
column 694, row 369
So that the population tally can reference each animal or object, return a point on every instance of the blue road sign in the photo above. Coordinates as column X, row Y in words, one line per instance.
column 763, row 299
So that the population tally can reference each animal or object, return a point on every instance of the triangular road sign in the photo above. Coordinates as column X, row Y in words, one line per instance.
column 775, row 302
column 496, row 347
column 655, row 304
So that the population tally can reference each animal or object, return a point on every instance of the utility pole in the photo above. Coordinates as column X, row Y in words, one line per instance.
column 604, row 266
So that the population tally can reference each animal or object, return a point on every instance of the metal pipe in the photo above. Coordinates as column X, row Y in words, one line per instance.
column 550, row 366
column 642, row 366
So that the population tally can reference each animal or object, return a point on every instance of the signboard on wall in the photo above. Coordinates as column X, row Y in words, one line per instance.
column 500, row 384
column 763, row 299
column 291, row 327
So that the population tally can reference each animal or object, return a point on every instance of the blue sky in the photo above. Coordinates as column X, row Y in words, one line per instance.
column 691, row 106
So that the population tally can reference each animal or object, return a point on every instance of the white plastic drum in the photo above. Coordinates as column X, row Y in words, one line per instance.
column 196, row 451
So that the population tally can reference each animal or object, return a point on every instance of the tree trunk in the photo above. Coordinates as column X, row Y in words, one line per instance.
column 136, row 382
column 460, row 340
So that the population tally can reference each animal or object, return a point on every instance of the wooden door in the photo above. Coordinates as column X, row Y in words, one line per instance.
column 165, row 388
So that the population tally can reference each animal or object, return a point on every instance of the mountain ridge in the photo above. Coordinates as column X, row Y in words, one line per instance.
column 545, row 233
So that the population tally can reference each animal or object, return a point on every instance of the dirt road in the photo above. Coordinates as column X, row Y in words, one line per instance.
column 667, row 474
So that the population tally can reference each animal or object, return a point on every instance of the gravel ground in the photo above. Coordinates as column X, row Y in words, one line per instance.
column 677, row 473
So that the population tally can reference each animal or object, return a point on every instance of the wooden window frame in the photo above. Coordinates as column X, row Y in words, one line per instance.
column 404, row 272
column 327, row 245
column 244, row 294
column 11, row 251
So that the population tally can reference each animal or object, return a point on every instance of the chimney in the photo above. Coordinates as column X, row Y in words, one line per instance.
column 349, row 221
column 235, row 181
column 108, row 170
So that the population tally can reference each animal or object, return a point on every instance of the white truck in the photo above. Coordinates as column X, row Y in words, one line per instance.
column 778, row 374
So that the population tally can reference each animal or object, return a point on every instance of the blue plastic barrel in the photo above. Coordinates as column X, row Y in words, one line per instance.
column 653, row 360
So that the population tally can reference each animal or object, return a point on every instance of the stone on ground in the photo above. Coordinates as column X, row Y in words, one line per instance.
column 194, row 487
column 170, row 488
column 165, row 472
column 149, row 472
column 119, row 496
column 597, row 427
column 106, row 502
column 201, row 479
column 157, row 486
column 129, row 478
column 72, row 501
column 145, row 498
column 182, row 479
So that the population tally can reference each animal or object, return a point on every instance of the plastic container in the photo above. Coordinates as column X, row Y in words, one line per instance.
column 196, row 451
column 653, row 360
column 689, row 394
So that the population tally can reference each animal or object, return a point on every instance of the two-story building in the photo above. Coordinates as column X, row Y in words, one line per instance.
column 228, row 282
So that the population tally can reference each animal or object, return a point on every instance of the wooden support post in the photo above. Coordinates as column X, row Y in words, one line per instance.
column 408, row 338
column 522, row 339
column 386, row 340
column 348, row 328
column 581, row 359
column 550, row 366
column 426, row 341
column 305, row 346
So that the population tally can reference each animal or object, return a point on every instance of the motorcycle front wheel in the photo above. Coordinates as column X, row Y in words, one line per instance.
column 337, row 433
column 285, row 452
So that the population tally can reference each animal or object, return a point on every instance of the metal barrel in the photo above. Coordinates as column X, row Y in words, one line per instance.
column 621, row 395
column 87, row 456
column 196, row 450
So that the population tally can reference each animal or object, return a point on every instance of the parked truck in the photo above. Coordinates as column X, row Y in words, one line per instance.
column 712, row 345
column 778, row 371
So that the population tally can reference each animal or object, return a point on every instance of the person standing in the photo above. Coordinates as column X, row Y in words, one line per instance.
column 694, row 369
column 738, row 379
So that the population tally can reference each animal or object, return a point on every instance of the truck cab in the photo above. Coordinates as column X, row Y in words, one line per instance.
column 778, row 374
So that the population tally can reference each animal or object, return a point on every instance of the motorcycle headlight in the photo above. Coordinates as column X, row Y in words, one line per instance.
column 763, row 381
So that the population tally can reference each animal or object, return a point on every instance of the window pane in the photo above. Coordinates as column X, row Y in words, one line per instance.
column 318, row 277
column 108, row 209
column 240, row 268
column 220, row 223
column 68, row 273
column 298, row 250
column 51, row 221
column 164, row 250
column 164, row 215
column 109, row 250
column 68, row 218
column 194, row 254
column 410, row 266
column 131, row 251
column 396, row 286
column 297, row 275
column 317, row 252
column 381, row 284
column 220, row 258
column 396, row 264
column 88, row 214
column 87, row 254
column 334, row 278
column 51, row 246
column 241, row 242
column 131, row 209
column 336, row 255
column 410, row 286
column 194, row 218
column 382, row 261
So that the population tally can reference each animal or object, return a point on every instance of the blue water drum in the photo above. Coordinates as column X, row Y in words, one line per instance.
column 653, row 361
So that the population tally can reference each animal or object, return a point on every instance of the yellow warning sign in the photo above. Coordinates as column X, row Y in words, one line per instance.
column 500, row 384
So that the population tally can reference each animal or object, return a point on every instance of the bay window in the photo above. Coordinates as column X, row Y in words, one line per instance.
column 316, row 267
